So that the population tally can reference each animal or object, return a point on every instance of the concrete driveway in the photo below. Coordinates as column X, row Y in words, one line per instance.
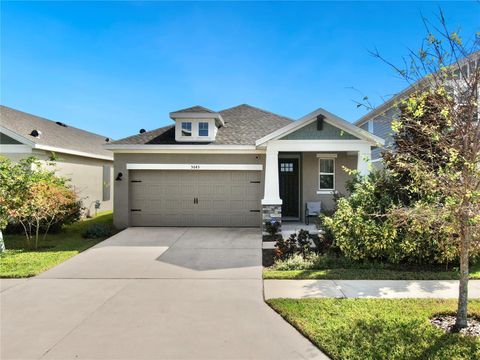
column 151, row 293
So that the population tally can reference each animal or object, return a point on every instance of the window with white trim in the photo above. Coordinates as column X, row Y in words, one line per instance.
column 186, row 129
column 203, row 129
column 326, row 174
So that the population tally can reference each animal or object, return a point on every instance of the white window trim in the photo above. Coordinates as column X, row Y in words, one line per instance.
column 326, row 191
column 208, row 128
column 327, row 156
column 191, row 129
column 195, row 137
column 370, row 126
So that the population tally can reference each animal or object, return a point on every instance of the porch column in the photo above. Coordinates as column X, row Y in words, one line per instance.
column 363, row 161
column 271, row 202
column 271, row 195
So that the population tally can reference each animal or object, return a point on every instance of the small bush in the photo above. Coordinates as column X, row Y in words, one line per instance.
column 297, row 262
column 303, row 241
column 295, row 244
column 97, row 231
column 286, row 248
column 273, row 227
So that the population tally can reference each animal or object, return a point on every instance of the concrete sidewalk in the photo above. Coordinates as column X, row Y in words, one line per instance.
column 298, row 289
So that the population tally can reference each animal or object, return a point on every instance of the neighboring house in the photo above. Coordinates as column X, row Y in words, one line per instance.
column 237, row 167
column 379, row 120
column 79, row 155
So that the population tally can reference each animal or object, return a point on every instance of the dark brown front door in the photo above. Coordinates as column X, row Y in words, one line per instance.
column 288, row 178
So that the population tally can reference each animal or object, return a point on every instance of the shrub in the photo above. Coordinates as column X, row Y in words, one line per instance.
column 286, row 248
column 97, row 231
column 297, row 262
column 365, row 228
column 294, row 244
column 32, row 196
column 303, row 241
column 273, row 226
column 325, row 241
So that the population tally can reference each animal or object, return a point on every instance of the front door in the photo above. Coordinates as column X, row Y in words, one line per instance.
column 289, row 184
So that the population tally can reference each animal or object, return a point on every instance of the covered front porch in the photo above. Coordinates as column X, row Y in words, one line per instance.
column 308, row 161
column 300, row 172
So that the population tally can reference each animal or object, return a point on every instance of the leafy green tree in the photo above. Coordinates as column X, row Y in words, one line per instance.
column 33, row 196
column 437, row 142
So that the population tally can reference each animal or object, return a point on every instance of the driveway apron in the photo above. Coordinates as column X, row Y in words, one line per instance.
column 151, row 293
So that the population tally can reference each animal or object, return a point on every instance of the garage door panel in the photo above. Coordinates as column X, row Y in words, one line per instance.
column 166, row 198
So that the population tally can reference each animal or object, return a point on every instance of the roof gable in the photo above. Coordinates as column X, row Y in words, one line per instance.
column 7, row 140
column 330, row 118
column 195, row 109
column 310, row 132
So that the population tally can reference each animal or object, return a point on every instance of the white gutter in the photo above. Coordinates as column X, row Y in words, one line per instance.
column 186, row 149
column 72, row 152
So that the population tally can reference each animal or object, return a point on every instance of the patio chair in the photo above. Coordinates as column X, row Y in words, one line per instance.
column 312, row 209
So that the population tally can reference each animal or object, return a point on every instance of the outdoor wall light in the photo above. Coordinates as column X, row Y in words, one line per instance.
column 119, row 177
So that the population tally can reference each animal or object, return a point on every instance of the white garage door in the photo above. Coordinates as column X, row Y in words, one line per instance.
column 195, row 198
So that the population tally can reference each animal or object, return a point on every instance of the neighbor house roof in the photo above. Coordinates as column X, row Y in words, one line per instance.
column 54, row 136
column 244, row 124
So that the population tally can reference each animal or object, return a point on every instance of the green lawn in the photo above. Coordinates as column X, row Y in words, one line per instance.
column 19, row 261
column 359, row 274
column 341, row 269
column 378, row 328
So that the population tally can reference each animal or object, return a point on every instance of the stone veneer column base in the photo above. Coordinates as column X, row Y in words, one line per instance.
column 270, row 212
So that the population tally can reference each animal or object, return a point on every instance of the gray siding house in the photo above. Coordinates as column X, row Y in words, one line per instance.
column 80, row 155
column 379, row 120
column 240, row 166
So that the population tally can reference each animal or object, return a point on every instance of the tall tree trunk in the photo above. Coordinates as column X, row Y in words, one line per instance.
column 461, row 321
column 37, row 230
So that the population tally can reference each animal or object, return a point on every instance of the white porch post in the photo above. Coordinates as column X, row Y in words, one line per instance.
column 271, row 195
column 271, row 202
column 363, row 161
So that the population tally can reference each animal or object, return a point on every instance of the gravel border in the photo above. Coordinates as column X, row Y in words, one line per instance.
column 447, row 324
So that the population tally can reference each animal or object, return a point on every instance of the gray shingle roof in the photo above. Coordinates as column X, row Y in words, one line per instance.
column 244, row 124
column 195, row 109
column 52, row 134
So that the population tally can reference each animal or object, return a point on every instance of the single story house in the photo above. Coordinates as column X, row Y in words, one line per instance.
column 238, row 167
column 79, row 155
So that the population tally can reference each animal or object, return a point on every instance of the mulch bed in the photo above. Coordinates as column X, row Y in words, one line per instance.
column 447, row 323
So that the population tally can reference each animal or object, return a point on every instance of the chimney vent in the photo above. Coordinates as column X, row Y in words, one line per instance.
column 36, row 133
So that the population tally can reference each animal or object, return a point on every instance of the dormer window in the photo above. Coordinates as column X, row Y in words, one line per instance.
column 203, row 129
column 196, row 125
column 187, row 129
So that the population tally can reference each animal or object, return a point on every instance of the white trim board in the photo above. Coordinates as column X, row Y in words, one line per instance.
column 319, row 146
column 196, row 167
column 15, row 149
column 183, row 149
column 72, row 152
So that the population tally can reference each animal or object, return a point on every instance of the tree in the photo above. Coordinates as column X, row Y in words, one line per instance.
column 438, row 141
column 33, row 197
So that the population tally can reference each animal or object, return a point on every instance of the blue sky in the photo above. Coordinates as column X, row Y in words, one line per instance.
column 116, row 67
